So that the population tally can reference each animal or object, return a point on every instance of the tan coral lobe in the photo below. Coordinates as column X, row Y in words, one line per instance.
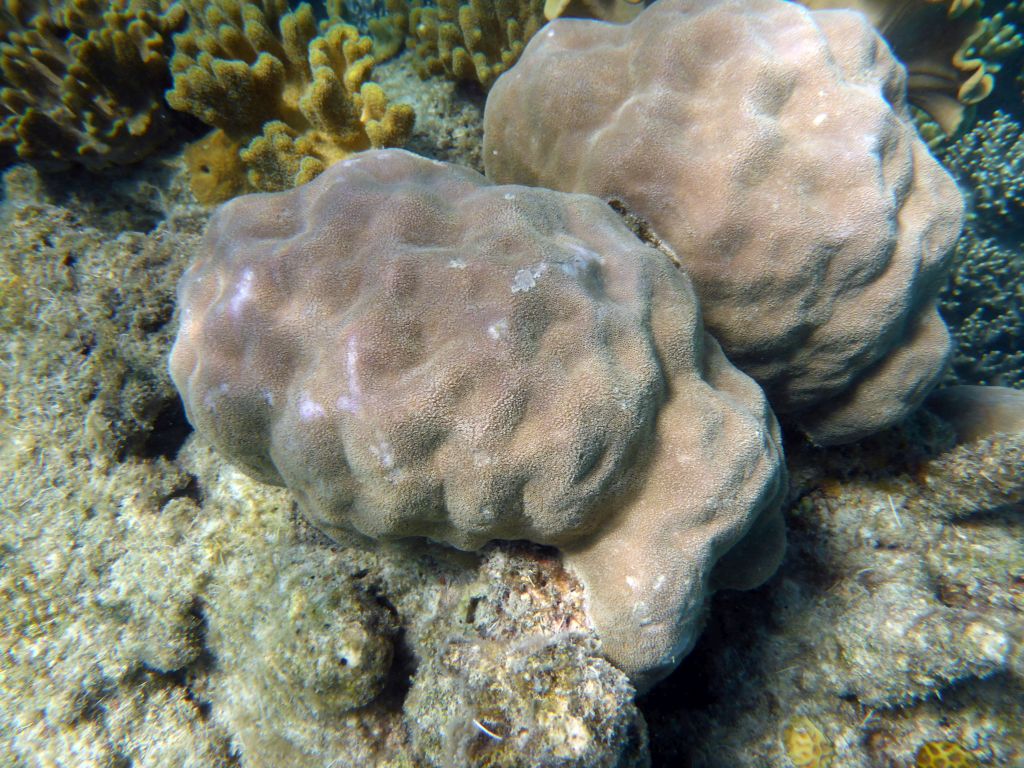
column 770, row 147
column 415, row 351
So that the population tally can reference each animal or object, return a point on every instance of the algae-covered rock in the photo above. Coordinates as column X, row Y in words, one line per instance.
column 98, row 584
column 540, row 700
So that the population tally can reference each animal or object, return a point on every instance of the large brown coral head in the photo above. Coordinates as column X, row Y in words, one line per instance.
column 414, row 351
column 725, row 126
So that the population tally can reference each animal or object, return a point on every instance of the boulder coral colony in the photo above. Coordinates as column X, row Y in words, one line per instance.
column 415, row 350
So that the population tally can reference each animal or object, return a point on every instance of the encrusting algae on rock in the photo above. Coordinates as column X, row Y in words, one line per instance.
column 944, row 754
column 806, row 746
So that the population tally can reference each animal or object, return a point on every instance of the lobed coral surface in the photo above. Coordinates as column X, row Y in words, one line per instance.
column 414, row 351
column 724, row 125
column 160, row 608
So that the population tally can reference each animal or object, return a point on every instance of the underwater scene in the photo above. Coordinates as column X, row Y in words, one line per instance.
column 511, row 383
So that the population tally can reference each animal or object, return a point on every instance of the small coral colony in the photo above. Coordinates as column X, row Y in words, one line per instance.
column 590, row 345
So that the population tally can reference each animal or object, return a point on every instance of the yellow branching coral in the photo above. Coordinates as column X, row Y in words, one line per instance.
column 950, row 52
column 82, row 82
column 475, row 41
column 389, row 30
column 288, row 98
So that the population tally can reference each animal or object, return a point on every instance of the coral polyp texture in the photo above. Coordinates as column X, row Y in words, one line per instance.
column 286, row 98
column 951, row 53
column 416, row 352
column 475, row 41
column 771, row 150
column 82, row 83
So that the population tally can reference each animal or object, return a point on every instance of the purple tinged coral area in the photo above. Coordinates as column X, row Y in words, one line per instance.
column 415, row 351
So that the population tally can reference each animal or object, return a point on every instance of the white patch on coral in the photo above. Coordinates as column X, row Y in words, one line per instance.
column 510, row 196
column 212, row 395
column 310, row 409
column 456, row 264
column 527, row 277
column 243, row 292
column 498, row 330
column 383, row 454
column 819, row 119
column 352, row 402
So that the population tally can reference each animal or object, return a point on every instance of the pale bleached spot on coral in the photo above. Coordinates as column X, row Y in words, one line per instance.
column 456, row 264
column 383, row 454
column 210, row 398
column 527, row 277
column 498, row 330
column 819, row 120
column 351, row 402
column 243, row 292
column 309, row 409
column 582, row 259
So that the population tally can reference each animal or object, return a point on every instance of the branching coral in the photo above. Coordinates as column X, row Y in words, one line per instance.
column 288, row 100
column 83, row 83
column 984, row 306
column 475, row 41
column 989, row 161
column 608, row 10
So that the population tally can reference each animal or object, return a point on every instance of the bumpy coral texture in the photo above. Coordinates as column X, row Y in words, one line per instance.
column 770, row 147
column 416, row 352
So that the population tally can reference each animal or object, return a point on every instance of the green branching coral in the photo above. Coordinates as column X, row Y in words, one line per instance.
column 288, row 99
column 474, row 41
column 81, row 83
column 984, row 306
column 989, row 162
